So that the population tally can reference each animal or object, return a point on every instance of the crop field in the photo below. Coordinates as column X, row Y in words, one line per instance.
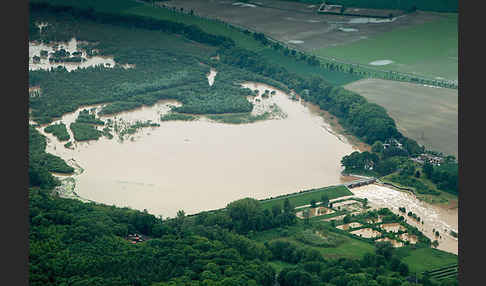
column 426, row 114
column 305, row 198
column 429, row 49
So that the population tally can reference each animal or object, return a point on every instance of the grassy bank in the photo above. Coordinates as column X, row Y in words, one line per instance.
column 304, row 197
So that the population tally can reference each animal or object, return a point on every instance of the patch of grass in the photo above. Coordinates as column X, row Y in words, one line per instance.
column 304, row 197
column 344, row 245
column 423, row 259
column 279, row 265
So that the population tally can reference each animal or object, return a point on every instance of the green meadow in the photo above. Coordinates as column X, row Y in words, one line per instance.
column 429, row 49
column 301, row 199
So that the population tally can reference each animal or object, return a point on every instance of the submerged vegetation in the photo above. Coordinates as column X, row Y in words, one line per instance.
column 42, row 163
column 59, row 130
column 177, row 116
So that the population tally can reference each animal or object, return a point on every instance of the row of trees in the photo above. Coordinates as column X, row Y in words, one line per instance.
column 190, row 31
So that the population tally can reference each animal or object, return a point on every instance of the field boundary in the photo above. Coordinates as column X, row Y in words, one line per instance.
column 377, row 72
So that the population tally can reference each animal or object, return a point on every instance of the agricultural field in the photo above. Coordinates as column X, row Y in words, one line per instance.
column 347, row 39
column 423, row 259
column 426, row 114
column 429, row 49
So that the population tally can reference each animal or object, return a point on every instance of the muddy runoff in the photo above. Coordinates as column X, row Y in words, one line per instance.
column 203, row 165
column 72, row 46
column 438, row 218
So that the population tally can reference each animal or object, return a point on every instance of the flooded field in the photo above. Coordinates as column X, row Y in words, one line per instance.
column 318, row 211
column 425, row 114
column 72, row 46
column 349, row 225
column 409, row 237
column 366, row 232
column 393, row 227
column 395, row 243
column 434, row 217
column 202, row 165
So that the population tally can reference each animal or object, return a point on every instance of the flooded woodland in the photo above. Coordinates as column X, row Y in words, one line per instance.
column 203, row 165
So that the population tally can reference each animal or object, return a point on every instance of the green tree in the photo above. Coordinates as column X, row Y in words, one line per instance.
column 324, row 200
column 377, row 147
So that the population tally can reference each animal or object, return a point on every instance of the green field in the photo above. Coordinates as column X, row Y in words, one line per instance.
column 305, row 70
column 305, row 198
column 422, row 259
column 346, row 246
column 429, row 49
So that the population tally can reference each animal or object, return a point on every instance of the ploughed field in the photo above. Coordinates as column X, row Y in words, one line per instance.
column 426, row 114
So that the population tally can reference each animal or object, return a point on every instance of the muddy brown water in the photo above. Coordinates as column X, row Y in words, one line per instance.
column 435, row 217
column 366, row 232
column 203, row 165
column 349, row 225
column 71, row 46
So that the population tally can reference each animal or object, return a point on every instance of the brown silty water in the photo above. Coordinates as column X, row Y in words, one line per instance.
column 349, row 225
column 366, row 232
column 71, row 46
column 434, row 217
column 202, row 165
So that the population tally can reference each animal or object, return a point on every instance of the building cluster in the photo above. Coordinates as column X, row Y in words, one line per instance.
column 392, row 142
column 432, row 159
column 135, row 238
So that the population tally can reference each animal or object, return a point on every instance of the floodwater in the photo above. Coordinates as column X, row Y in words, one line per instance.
column 203, row 165
column 366, row 232
column 393, row 227
column 380, row 62
column 349, row 225
column 71, row 46
column 434, row 217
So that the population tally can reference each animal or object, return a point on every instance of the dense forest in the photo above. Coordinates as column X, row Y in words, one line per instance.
column 59, row 130
column 78, row 243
